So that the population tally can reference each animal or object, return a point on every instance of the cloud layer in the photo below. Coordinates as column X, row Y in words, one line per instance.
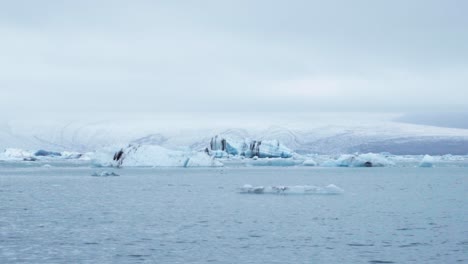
column 88, row 56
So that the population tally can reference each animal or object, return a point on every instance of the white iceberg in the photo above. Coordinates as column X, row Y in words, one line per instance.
column 309, row 162
column 427, row 162
column 153, row 156
column 200, row 159
column 362, row 160
column 72, row 155
column 17, row 154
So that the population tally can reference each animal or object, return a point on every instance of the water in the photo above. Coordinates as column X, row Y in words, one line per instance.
column 385, row 215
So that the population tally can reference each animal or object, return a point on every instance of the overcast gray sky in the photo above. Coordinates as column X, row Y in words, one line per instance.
column 240, row 55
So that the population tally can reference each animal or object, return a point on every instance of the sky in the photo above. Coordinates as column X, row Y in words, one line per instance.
column 233, row 56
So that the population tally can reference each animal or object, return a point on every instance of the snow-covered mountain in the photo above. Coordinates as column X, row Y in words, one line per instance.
column 303, row 133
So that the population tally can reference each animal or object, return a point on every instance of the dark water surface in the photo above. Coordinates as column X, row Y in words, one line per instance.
column 385, row 215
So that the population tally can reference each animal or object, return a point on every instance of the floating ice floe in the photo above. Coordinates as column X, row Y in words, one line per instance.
column 104, row 174
column 309, row 162
column 73, row 155
column 426, row 162
column 278, row 162
column 299, row 189
column 362, row 160
column 153, row 156
column 14, row 154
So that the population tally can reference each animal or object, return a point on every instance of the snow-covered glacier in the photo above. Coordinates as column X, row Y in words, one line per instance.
column 359, row 140
column 319, row 133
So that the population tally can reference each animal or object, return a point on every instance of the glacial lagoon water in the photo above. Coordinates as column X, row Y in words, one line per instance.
column 148, row 215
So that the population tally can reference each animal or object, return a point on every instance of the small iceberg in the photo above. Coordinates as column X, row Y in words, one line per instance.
column 309, row 162
column 47, row 153
column 12, row 154
column 278, row 162
column 104, row 174
column 361, row 160
column 298, row 189
column 426, row 162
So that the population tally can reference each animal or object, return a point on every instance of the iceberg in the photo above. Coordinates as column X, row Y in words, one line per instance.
column 268, row 149
column 104, row 174
column 200, row 159
column 17, row 154
column 249, row 148
column 309, row 162
column 73, row 155
column 426, row 162
column 42, row 152
column 362, row 160
column 279, row 162
column 298, row 189
column 153, row 156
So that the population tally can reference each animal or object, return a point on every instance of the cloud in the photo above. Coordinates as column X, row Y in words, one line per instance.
column 232, row 55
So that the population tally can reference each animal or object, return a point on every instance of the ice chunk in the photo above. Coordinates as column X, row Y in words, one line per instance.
column 247, row 188
column 17, row 154
column 104, row 174
column 42, row 152
column 309, row 162
column 268, row 149
column 298, row 189
column 362, row 160
column 426, row 162
column 200, row 159
column 280, row 162
column 71, row 155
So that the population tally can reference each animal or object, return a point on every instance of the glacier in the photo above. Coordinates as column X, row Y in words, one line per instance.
column 303, row 133
column 224, row 139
